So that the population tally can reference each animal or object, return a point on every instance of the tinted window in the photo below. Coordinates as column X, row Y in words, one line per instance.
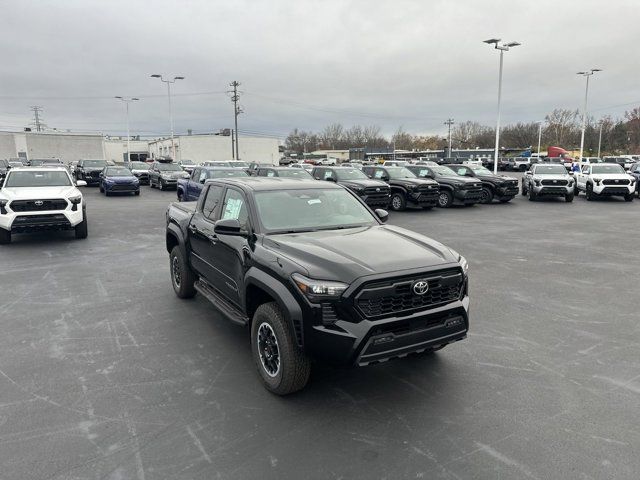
column 220, row 173
column 117, row 172
column 210, row 208
column 235, row 207
column 607, row 169
column 37, row 179
column 168, row 167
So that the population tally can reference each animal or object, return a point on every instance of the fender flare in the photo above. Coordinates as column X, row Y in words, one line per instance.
column 283, row 297
column 174, row 231
column 398, row 189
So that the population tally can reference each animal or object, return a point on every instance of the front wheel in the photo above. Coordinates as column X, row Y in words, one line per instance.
column 398, row 202
column 445, row 199
column 150, row 183
column 282, row 366
column 568, row 198
column 589, row 192
column 576, row 191
column 628, row 197
column 532, row 195
column 486, row 196
column 524, row 190
column 137, row 193
column 161, row 186
column 82, row 229
column 5, row 236
column 182, row 277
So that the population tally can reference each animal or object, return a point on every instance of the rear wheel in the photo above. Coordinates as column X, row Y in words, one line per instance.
column 5, row 236
column 150, row 182
column 445, row 199
column 524, row 190
column 180, row 196
column 486, row 196
column 576, row 192
column 532, row 195
column 182, row 277
column 398, row 202
column 282, row 366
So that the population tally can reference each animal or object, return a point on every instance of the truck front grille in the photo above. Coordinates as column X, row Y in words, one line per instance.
column 380, row 299
column 615, row 182
column 38, row 205
column 558, row 183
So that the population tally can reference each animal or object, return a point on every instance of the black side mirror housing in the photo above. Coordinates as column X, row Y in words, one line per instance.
column 331, row 179
column 229, row 226
column 382, row 214
column 385, row 178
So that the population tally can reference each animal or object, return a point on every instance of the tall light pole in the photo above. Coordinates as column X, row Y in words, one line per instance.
column 600, row 137
column 586, row 74
column 539, row 137
column 237, row 110
column 503, row 48
column 449, row 122
column 169, row 82
column 127, row 101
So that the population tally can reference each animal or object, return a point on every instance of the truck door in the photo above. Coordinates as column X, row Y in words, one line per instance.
column 202, row 237
column 230, row 254
column 189, row 193
column 581, row 177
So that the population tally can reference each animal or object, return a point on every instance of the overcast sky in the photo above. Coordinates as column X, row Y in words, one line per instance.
column 309, row 63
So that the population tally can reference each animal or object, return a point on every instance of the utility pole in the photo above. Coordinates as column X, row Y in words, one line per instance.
column 37, row 121
column 233, row 148
column 539, row 137
column 449, row 122
column 237, row 110
column 586, row 74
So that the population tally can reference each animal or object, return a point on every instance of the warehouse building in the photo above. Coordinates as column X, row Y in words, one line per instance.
column 66, row 146
column 206, row 147
column 115, row 149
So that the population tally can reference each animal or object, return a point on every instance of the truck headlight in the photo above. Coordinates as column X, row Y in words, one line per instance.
column 319, row 290
column 537, row 182
column 462, row 261
column 75, row 201
column 597, row 180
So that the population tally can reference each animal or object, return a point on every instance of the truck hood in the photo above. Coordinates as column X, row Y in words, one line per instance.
column 457, row 179
column 613, row 176
column 174, row 174
column 363, row 183
column 37, row 193
column 553, row 177
column 406, row 182
column 131, row 179
column 346, row 255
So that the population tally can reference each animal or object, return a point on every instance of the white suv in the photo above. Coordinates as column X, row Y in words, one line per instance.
column 41, row 199
column 605, row 179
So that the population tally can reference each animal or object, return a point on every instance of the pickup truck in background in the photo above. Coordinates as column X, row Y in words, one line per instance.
column 298, row 264
column 605, row 179
column 188, row 189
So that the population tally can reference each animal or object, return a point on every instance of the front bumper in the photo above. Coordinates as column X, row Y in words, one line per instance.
column 91, row 178
column 551, row 191
column 467, row 196
column 373, row 341
column 507, row 191
column 611, row 190
column 427, row 198
column 121, row 187
column 20, row 222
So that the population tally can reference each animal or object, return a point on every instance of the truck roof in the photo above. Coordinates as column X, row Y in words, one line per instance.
column 272, row 183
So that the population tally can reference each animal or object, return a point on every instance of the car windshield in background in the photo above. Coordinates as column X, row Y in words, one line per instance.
column 226, row 173
column 217, row 164
column 239, row 164
column 95, row 163
column 37, row 179
column 350, row 174
column 285, row 211
column 169, row 167
column 139, row 166
column 440, row 170
column 294, row 173
column 118, row 172
column 188, row 162
column 550, row 170
column 400, row 172
column 601, row 168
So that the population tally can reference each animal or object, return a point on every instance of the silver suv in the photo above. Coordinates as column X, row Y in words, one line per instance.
column 547, row 180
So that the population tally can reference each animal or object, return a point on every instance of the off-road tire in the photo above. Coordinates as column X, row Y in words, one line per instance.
column 589, row 192
column 294, row 368
column 183, row 284
column 5, row 236
column 82, row 229
column 568, row 198
column 628, row 197
column 486, row 196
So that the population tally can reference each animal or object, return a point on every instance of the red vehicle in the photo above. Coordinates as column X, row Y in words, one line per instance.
column 561, row 153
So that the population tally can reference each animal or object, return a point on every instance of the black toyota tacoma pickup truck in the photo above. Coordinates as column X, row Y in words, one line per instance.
column 494, row 187
column 374, row 193
column 299, row 263
column 454, row 189
column 406, row 188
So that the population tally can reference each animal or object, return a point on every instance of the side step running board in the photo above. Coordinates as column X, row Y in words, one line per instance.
column 226, row 308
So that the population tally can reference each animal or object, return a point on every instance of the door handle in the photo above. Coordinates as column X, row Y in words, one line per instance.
column 213, row 238
column 193, row 228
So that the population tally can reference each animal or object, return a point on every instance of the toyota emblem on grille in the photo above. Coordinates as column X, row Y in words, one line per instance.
column 617, row 181
column 377, row 189
column 420, row 287
column 39, row 203
column 555, row 181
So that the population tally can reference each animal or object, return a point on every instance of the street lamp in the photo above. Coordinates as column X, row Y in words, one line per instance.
column 503, row 48
column 586, row 74
column 539, row 136
column 169, row 82
column 127, row 101
column 600, row 138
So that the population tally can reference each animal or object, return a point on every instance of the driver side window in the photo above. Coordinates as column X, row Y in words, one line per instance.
column 378, row 174
column 202, row 177
column 235, row 207
column 327, row 174
column 585, row 169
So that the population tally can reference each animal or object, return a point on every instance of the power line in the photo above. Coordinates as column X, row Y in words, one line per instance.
column 37, row 121
column 449, row 122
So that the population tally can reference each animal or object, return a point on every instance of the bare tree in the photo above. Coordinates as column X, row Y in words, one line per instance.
column 402, row 140
column 561, row 126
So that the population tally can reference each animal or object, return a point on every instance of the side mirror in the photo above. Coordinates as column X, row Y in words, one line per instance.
column 81, row 183
column 383, row 215
column 330, row 179
column 385, row 178
column 229, row 226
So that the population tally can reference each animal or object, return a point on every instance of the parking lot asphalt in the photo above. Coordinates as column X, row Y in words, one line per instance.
column 106, row 374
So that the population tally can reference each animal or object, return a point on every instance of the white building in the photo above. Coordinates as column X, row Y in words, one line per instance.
column 207, row 147
column 115, row 149
column 66, row 146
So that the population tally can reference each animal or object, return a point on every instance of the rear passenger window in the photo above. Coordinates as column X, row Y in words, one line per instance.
column 378, row 174
column 212, row 201
column 271, row 173
column 203, row 176
column 328, row 174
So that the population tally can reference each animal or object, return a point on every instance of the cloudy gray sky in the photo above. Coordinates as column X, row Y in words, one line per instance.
column 309, row 63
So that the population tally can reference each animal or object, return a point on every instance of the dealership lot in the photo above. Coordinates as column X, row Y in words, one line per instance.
column 106, row 374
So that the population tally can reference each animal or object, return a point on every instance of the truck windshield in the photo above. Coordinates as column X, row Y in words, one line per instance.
column 400, row 172
column 350, row 174
column 139, row 166
column 37, row 179
column 440, row 170
column 221, row 173
column 550, row 170
column 294, row 173
column 290, row 211
column 118, row 172
column 602, row 168
column 169, row 167
column 94, row 163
